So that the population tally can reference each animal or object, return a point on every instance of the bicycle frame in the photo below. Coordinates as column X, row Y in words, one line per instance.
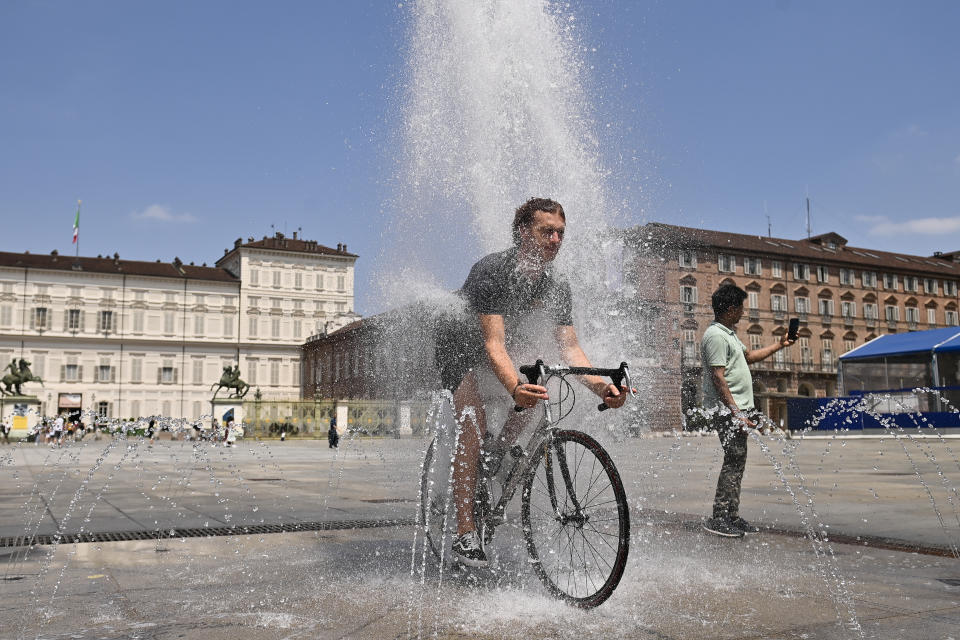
column 542, row 440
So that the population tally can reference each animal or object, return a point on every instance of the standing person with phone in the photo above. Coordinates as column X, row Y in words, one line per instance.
column 728, row 394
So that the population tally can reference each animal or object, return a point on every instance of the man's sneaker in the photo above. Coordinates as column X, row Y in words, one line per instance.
column 467, row 550
column 745, row 526
column 723, row 527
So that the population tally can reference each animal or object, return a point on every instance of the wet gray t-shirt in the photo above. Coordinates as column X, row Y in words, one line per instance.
column 496, row 287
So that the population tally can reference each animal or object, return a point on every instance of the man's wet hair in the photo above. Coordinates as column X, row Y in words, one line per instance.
column 727, row 297
column 524, row 215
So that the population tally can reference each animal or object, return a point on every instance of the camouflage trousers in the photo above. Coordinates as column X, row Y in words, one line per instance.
column 726, row 502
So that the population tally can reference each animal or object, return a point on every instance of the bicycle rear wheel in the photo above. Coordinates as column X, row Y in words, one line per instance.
column 576, row 520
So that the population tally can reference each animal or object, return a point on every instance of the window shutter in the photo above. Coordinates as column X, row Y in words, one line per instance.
column 113, row 374
column 99, row 318
column 82, row 316
column 159, row 374
column 63, row 372
column 175, row 371
column 66, row 319
column 33, row 317
column 80, row 373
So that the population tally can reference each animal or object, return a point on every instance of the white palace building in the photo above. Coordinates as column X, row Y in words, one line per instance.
column 130, row 339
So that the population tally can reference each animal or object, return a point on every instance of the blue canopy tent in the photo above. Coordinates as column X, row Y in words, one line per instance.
column 900, row 362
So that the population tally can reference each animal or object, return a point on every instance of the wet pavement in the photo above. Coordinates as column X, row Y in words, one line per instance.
column 376, row 583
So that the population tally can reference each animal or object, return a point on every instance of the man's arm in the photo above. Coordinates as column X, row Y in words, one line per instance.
column 495, row 344
column 574, row 356
column 723, row 390
column 760, row 354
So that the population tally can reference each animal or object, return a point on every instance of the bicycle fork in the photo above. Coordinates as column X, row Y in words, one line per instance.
column 578, row 516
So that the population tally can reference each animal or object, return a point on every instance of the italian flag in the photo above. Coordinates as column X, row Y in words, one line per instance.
column 76, row 224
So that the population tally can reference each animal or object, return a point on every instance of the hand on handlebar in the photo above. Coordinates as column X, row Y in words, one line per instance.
column 528, row 395
column 614, row 396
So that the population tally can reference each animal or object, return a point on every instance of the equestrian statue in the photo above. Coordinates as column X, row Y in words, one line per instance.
column 231, row 380
column 13, row 381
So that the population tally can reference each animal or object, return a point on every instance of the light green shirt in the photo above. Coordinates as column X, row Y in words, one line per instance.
column 722, row 348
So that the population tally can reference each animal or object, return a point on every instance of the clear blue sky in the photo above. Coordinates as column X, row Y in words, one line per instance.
column 185, row 125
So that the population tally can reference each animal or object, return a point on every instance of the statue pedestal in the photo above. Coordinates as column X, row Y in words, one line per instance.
column 222, row 406
column 22, row 413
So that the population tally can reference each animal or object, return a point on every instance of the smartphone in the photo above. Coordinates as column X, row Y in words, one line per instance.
column 794, row 328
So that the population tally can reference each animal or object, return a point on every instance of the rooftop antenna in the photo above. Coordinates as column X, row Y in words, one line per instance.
column 769, row 226
column 809, row 230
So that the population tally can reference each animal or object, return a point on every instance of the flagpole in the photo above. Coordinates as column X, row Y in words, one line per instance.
column 76, row 231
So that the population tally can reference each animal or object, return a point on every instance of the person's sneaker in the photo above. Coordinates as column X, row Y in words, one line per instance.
column 722, row 527
column 745, row 526
column 467, row 550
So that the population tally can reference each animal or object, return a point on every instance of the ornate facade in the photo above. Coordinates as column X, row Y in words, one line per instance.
column 844, row 296
column 125, row 338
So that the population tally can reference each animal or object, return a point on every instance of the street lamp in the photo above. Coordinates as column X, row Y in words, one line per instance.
column 257, row 397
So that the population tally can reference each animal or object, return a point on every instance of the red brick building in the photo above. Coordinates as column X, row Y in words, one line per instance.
column 844, row 296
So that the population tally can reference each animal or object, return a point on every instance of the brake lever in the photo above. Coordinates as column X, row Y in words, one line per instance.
column 603, row 406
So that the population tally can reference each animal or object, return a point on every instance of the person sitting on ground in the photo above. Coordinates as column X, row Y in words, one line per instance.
column 515, row 299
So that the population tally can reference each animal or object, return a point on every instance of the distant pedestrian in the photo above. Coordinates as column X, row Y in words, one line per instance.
column 231, row 435
column 333, row 436
column 152, row 430
column 57, row 433
column 5, row 429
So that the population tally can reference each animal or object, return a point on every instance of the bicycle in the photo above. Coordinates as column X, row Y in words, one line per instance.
column 574, row 513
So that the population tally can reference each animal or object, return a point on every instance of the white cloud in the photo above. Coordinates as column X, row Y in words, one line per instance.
column 160, row 213
column 919, row 226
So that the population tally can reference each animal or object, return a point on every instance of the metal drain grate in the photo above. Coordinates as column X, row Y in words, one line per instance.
column 200, row 532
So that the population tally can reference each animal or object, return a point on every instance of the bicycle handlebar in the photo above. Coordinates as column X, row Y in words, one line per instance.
column 535, row 371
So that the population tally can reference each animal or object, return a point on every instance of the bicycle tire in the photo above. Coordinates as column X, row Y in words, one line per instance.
column 580, row 555
column 435, row 513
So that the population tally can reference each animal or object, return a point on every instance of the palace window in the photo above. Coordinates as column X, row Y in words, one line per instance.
column 104, row 321
column 801, row 271
column 39, row 318
column 869, row 278
column 910, row 283
column 752, row 266
column 688, row 259
column 890, row 281
column 846, row 276
column 823, row 274
column 930, row 286
column 848, row 309
column 74, row 320
column 776, row 269
column 949, row 288
column 726, row 263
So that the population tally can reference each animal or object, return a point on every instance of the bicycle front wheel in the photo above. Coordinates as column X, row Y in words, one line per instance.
column 576, row 520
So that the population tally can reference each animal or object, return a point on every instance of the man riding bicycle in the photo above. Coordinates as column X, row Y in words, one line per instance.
column 515, row 299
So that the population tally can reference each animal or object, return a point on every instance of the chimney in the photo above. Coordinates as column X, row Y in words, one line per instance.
column 339, row 246
column 250, row 239
column 294, row 235
column 344, row 247
column 237, row 243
